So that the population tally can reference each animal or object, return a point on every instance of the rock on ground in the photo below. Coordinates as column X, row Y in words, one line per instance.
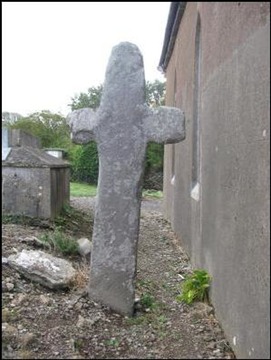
column 44, row 268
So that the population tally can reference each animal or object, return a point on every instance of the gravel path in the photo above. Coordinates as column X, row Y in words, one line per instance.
column 39, row 323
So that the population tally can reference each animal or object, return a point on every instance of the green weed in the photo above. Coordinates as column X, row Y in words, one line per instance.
column 195, row 287
column 112, row 342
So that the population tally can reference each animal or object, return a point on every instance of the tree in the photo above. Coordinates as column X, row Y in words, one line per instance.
column 85, row 163
column 91, row 99
column 155, row 93
column 10, row 118
column 153, row 174
column 52, row 129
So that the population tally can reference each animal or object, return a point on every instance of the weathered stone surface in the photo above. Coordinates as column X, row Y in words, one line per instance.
column 43, row 268
column 122, row 127
column 84, row 246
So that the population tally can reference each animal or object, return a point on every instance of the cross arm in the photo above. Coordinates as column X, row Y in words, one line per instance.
column 83, row 123
column 164, row 125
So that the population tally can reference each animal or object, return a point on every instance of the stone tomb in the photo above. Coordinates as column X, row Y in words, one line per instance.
column 122, row 127
column 33, row 183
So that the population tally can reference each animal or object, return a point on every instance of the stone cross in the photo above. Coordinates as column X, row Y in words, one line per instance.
column 122, row 127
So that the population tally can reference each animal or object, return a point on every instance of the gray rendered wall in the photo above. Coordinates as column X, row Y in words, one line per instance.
column 227, row 232
column 18, row 137
column 26, row 191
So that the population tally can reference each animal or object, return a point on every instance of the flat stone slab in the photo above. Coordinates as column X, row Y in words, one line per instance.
column 44, row 268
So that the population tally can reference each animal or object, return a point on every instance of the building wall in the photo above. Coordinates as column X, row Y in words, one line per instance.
column 26, row 191
column 36, row 192
column 17, row 137
column 227, row 230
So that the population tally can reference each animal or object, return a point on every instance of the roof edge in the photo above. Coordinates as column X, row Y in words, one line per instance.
column 174, row 19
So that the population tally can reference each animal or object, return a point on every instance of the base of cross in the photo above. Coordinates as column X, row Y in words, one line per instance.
column 113, row 298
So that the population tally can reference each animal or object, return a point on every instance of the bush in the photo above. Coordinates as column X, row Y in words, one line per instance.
column 85, row 163
column 153, row 173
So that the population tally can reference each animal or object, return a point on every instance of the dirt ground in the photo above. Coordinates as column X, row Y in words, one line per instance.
column 38, row 323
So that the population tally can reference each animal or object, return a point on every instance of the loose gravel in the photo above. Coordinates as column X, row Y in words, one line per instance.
column 38, row 323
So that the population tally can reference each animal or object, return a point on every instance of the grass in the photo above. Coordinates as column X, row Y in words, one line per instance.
column 156, row 194
column 80, row 189
column 81, row 277
column 19, row 219
column 60, row 242
column 147, row 301
column 195, row 287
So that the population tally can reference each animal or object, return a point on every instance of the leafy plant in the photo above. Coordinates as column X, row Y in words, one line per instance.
column 195, row 287
column 60, row 242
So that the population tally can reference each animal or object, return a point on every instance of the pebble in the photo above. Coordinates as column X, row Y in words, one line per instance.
column 20, row 299
column 78, row 306
column 8, row 328
column 4, row 260
column 199, row 330
column 211, row 345
column 27, row 338
column 10, row 286
column 44, row 299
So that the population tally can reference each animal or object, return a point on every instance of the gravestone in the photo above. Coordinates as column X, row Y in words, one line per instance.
column 122, row 127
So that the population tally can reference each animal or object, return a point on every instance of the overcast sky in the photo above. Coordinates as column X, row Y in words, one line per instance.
column 52, row 51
